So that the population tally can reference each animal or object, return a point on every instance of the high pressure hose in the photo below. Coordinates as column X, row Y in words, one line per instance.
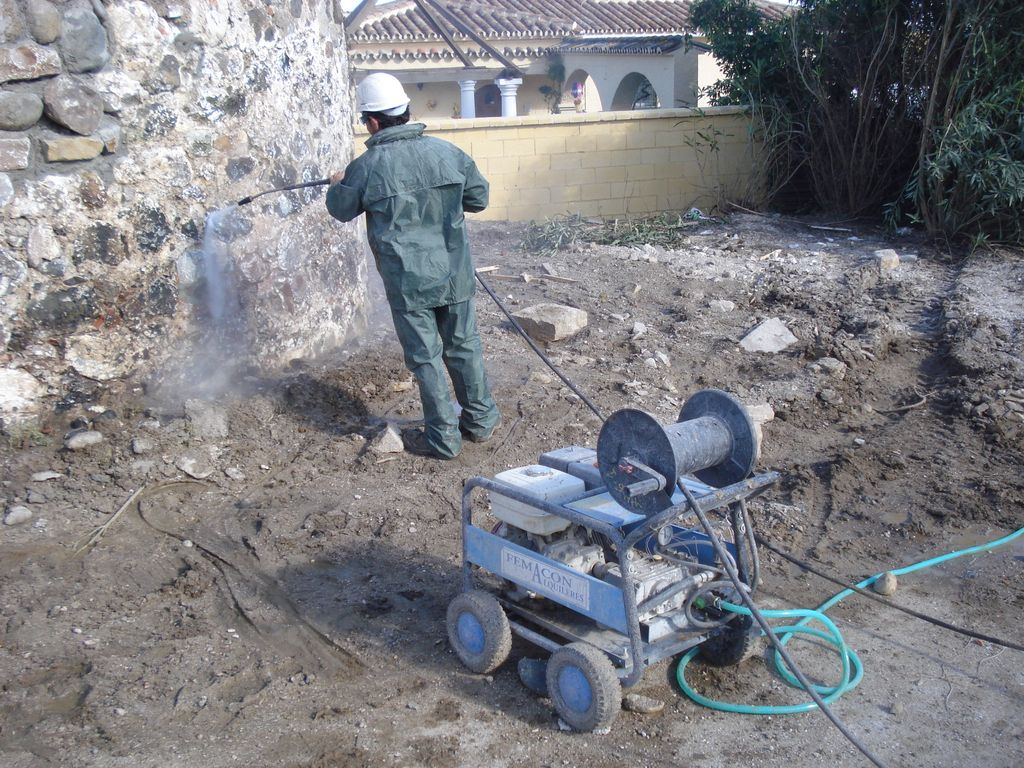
column 535, row 348
column 852, row 669
column 851, row 666
column 758, row 616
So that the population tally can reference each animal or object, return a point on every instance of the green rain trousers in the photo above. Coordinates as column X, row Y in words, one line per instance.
column 445, row 338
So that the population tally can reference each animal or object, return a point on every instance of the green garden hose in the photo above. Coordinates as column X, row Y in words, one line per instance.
column 852, row 671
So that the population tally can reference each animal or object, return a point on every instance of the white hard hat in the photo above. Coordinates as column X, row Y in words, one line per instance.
column 381, row 92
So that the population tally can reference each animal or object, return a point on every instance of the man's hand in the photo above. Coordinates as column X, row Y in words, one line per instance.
column 336, row 177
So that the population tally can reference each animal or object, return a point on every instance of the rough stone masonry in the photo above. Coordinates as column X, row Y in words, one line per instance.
column 122, row 125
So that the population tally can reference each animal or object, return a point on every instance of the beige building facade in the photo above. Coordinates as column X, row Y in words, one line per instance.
column 579, row 56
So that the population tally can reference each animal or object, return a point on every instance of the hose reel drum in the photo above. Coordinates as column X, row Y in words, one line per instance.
column 714, row 439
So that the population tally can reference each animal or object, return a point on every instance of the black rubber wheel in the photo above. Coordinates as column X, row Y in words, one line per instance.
column 583, row 687
column 734, row 644
column 478, row 631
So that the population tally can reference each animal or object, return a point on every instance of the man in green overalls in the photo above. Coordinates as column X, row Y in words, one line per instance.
column 414, row 190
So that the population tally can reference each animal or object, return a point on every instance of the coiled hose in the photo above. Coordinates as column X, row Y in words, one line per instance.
column 852, row 671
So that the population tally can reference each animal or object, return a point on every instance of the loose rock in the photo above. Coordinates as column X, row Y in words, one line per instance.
column 388, row 441
column 79, row 441
column 552, row 322
column 770, row 336
column 41, row 477
column 885, row 584
column 141, row 445
column 17, row 515
column 887, row 260
column 642, row 705
column 194, row 466
column 833, row 367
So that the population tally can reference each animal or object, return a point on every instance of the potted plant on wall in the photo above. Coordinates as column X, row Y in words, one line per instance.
column 552, row 93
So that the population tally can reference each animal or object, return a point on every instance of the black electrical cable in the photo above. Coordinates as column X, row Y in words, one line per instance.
column 879, row 599
column 719, row 549
column 767, row 629
column 535, row 348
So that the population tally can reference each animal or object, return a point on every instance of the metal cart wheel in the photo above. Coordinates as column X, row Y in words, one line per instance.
column 583, row 687
column 734, row 644
column 478, row 631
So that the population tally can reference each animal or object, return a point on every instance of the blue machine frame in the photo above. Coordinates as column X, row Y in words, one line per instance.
column 605, row 604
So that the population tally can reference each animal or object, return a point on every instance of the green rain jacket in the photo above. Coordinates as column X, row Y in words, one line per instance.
column 414, row 189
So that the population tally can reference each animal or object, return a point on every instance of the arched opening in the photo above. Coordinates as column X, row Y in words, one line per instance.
column 488, row 101
column 580, row 93
column 635, row 92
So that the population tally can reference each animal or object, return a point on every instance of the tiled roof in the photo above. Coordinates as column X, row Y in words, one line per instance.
column 402, row 20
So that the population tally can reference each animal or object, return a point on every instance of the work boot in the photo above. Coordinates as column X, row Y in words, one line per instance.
column 475, row 438
column 415, row 442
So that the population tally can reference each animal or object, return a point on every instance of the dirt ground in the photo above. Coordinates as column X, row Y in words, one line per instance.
column 287, row 609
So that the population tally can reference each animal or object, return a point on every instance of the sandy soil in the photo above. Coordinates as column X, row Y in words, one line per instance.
column 291, row 611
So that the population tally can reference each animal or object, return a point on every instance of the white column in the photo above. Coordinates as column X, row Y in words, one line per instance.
column 467, row 108
column 508, row 90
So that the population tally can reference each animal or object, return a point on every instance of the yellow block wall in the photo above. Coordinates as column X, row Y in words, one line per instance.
column 608, row 164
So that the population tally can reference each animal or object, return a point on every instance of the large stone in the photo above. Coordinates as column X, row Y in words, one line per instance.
column 12, row 273
column 12, row 24
column 20, row 394
column 117, row 89
column 44, row 21
column 151, row 227
column 27, row 61
column 551, row 322
column 770, row 336
column 73, row 104
column 100, row 356
column 64, row 309
column 194, row 464
column 19, row 111
column 42, row 246
column 101, row 242
column 83, row 40
column 92, row 191
column 60, row 149
column 887, row 260
column 17, row 515
column 6, row 189
column 14, row 154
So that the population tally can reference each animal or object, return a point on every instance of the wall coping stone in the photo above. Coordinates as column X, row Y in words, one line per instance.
column 455, row 124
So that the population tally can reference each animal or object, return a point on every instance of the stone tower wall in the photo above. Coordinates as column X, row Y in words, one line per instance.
column 122, row 125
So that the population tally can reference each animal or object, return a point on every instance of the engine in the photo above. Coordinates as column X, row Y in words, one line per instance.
column 665, row 579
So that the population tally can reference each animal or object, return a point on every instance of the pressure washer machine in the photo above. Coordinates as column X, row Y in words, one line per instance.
column 595, row 557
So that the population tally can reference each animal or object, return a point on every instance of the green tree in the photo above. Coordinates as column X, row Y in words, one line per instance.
column 909, row 105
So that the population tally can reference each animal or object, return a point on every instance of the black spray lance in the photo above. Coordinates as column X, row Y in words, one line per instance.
column 303, row 185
